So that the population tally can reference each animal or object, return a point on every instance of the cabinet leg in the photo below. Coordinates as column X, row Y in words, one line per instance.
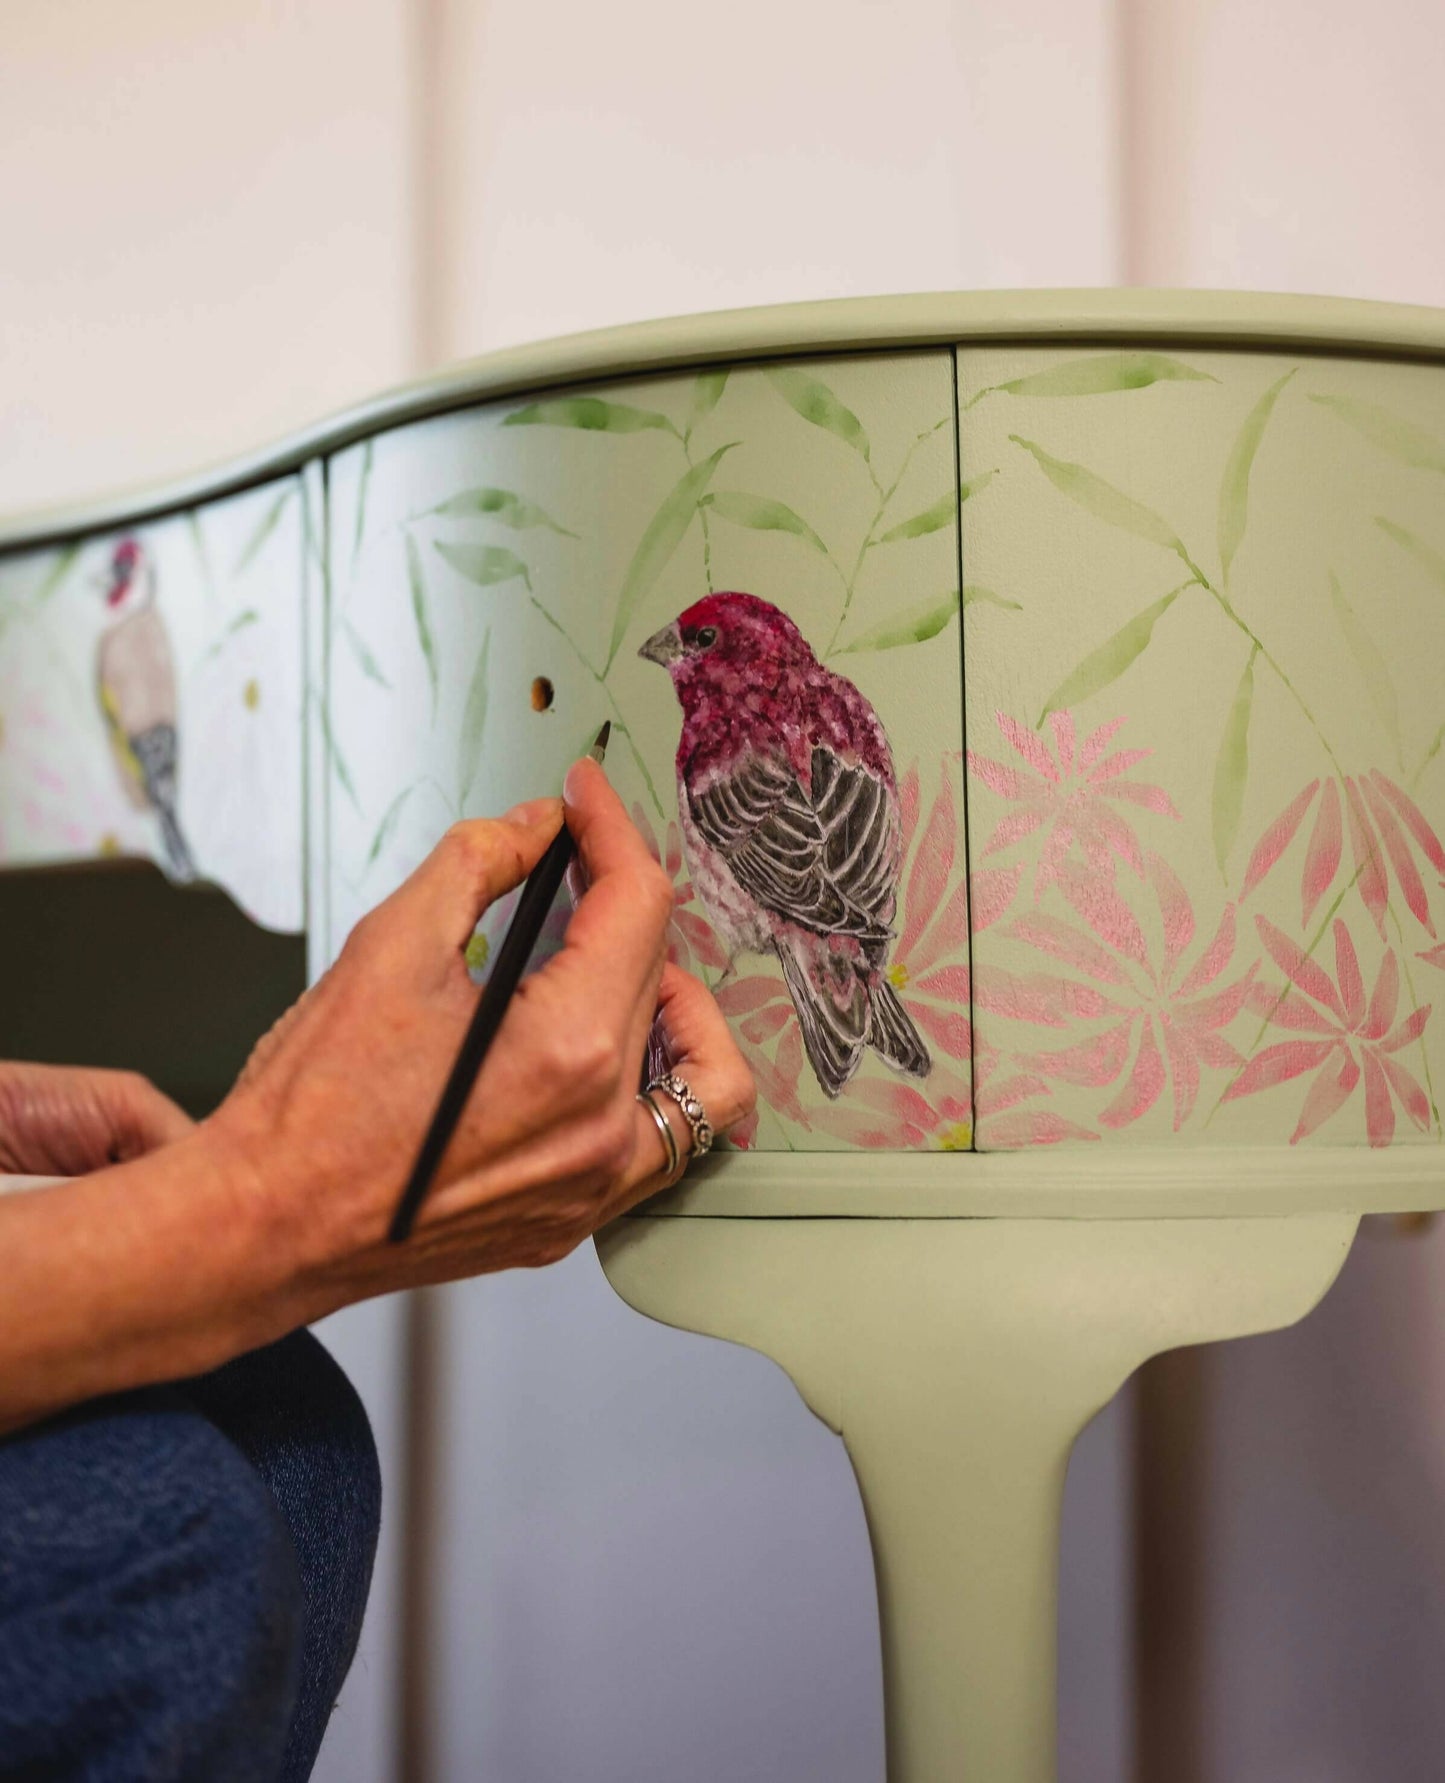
column 959, row 1359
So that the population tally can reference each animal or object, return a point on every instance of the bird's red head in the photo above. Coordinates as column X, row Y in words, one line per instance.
column 728, row 637
column 123, row 562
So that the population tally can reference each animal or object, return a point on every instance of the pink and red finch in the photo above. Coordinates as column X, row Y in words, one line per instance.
column 788, row 806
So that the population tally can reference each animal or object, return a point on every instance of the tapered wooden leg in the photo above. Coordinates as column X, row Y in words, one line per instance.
column 959, row 1359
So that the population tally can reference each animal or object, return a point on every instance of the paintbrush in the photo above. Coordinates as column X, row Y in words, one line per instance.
column 538, row 896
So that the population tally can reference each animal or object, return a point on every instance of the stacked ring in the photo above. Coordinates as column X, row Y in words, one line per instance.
column 676, row 1164
column 693, row 1111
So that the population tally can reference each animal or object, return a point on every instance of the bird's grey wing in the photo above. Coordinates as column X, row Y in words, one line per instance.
column 822, row 859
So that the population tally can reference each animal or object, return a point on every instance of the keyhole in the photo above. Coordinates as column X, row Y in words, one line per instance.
column 542, row 694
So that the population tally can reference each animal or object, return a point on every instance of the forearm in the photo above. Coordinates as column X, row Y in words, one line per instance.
column 150, row 1271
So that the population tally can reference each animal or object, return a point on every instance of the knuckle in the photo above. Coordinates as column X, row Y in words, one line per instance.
column 610, row 1143
column 585, row 1056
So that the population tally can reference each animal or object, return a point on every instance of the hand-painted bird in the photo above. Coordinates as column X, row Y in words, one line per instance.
column 788, row 806
column 137, row 685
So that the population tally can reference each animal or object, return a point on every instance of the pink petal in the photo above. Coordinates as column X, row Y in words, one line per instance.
column 1409, row 1030
column 1214, row 958
column 700, row 938
column 908, row 803
column 765, row 1023
column 1278, row 1064
column 1063, row 727
column 1028, row 744
column 948, row 933
column 1141, row 1092
column 1138, row 792
column 1011, row 1092
column 1327, row 1094
column 1217, row 1052
column 1205, row 1014
column 1096, row 1061
column 1183, row 1071
column 1035, row 1126
column 745, row 994
column 1052, row 857
column 949, row 984
column 1106, row 913
column 1412, row 1098
column 864, row 1130
column 1414, row 819
column 899, row 1100
column 1433, row 956
column 1381, row 1017
column 1285, row 1008
column 673, row 858
column 1050, row 934
column 951, row 1032
column 1118, row 763
column 1036, row 997
column 1010, row 829
column 1379, row 1109
column 1097, row 742
column 645, row 830
column 993, row 890
column 1369, row 868
column 1105, row 827
column 1322, row 861
column 1010, row 783
column 1175, row 911
column 1347, row 976
column 932, row 868
column 1277, row 838
column 1296, row 964
column 1401, row 859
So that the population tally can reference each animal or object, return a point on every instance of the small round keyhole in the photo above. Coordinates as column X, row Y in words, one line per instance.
column 542, row 694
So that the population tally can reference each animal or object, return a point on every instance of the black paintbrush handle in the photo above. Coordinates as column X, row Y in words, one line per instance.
column 538, row 895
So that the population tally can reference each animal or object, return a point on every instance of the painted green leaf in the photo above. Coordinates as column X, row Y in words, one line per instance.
column 269, row 521
column 65, row 561
column 368, row 664
column 665, row 532
column 815, row 402
column 363, row 485
column 973, row 595
column 1107, row 503
column 485, row 565
column 1102, row 373
column 1427, row 555
column 1231, row 766
column 500, row 505
column 761, row 514
column 416, row 577
column 907, row 628
column 932, row 519
column 239, row 623
column 1110, row 660
column 198, row 544
column 1403, row 440
column 474, row 722
column 706, row 395
column 478, row 952
column 966, row 491
column 1234, row 488
column 1372, row 666
column 388, row 822
column 333, row 751
column 590, row 414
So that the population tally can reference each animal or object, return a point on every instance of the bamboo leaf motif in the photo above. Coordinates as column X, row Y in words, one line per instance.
column 368, row 664
column 706, row 395
column 333, row 750
column 1106, row 503
column 198, row 542
column 974, row 595
column 932, row 519
column 501, row 505
column 363, row 486
column 1427, row 555
column 1401, row 439
column 816, row 403
column 761, row 514
column 268, row 523
column 65, row 561
column 416, row 579
column 388, row 822
column 1374, row 671
column 1101, row 374
column 908, row 628
column 967, row 490
column 1231, row 766
column 589, row 414
column 484, row 565
column 1234, row 486
column 239, row 623
column 665, row 532
column 474, row 722
column 1117, row 653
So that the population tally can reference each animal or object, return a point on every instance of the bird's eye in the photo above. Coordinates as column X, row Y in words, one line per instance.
column 706, row 637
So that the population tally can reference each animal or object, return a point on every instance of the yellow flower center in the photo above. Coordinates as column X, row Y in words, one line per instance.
column 957, row 1138
column 251, row 694
column 897, row 975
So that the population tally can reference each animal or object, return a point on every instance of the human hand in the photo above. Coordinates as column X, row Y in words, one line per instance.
column 330, row 1112
column 61, row 1120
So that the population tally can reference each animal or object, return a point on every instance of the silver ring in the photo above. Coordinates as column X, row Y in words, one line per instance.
column 693, row 1111
column 675, row 1165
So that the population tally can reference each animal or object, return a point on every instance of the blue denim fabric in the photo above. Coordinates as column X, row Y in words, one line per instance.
column 183, row 1573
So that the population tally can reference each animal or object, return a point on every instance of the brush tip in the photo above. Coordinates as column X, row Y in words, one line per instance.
column 599, row 748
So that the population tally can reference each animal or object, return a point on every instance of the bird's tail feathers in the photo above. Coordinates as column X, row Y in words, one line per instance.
column 892, row 1035
column 177, row 853
column 833, row 1045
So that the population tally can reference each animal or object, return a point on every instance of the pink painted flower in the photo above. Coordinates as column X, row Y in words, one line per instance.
column 1341, row 1037
column 1069, row 792
column 689, row 937
column 1385, row 830
column 1161, row 1014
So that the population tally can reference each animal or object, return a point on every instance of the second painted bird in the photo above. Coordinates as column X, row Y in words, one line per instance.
column 788, row 805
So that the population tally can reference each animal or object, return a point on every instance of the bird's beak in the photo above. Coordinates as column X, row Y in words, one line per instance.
column 663, row 647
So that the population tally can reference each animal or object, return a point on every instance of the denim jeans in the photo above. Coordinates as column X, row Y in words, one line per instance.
column 183, row 1572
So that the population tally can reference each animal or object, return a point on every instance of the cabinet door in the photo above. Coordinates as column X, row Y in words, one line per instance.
column 150, row 700
column 1206, row 615
column 495, row 576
